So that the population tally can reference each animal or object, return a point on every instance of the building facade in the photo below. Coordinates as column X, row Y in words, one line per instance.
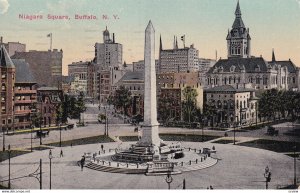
column 46, row 66
column 108, row 59
column 250, row 72
column 8, row 75
column 230, row 106
column 48, row 101
column 178, row 59
column 13, row 47
column 140, row 65
column 25, row 95
column 84, row 75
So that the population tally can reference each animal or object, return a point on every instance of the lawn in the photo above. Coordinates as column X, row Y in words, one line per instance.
column 272, row 145
column 83, row 141
column 39, row 148
column 14, row 153
column 129, row 138
column 186, row 137
column 223, row 141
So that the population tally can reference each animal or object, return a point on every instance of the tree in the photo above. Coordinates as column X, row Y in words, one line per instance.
column 189, row 104
column 164, row 110
column 121, row 98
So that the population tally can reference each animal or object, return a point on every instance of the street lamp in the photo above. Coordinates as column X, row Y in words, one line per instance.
column 9, row 152
column 234, row 125
column 3, row 138
column 31, row 126
column 203, row 122
column 295, row 175
column 60, row 135
column 50, row 158
column 169, row 180
column 267, row 175
column 41, row 130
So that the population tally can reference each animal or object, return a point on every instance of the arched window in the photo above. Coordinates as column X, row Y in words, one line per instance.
column 3, row 87
column 257, row 80
column 225, row 80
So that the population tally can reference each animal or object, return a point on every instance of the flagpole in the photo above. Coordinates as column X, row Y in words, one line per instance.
column 50, row 41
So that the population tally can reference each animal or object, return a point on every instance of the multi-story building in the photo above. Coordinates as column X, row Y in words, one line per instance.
column 178, row 59
column 8, row 75
column 175, row 96
column 46, row 66
column 25, row 93
column 247, row 71
column 48, row 101
column 108, row 59
column 83, row 73
column 229, row 105
column 139, row 66
column 134, row 81
column 13, row 47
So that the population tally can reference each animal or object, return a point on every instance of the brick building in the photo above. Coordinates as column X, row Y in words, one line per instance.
column 46, row 66
column 48, row 101
column 8, row 75
column 25, row 94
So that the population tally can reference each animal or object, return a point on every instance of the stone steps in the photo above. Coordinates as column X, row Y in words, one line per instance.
column 115, row 169
column 200, row 165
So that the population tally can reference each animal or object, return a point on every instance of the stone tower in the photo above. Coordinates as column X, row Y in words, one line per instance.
column 238, row 38
column 150, row 127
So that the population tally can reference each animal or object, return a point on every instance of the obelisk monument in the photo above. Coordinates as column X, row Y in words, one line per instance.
column 150, row 135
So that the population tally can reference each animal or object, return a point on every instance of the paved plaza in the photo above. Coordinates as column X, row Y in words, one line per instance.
column 237, row 168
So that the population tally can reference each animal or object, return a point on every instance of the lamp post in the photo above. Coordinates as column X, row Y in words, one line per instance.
column 267, row 175
column 41, row 131
column 3, row 135
column 295, row 174
column 60, row 135
column 203, row 122
column 105, row 120
column 169, row 180
column 9, row 152
column 31, row 126
column 50, row 158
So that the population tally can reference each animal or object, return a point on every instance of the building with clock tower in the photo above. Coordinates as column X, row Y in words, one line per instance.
column 238, row 38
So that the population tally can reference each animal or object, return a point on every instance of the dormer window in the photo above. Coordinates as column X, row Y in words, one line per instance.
column 232, row 68
column 257, row 68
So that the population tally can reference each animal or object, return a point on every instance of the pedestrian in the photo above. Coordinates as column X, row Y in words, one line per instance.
column 82, row 162
column 61, row 153
column 226, row 135
column 102, row 147
column 71, row 144
column 210, row 187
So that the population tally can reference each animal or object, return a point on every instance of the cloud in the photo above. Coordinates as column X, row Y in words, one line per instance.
column 298, row 1
column 3, row 6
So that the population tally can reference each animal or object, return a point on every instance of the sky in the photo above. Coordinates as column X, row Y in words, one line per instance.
column 273, row 24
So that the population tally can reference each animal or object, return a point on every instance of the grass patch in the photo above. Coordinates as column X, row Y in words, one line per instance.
column 272, row 145
column 3, row 187
column 83, row 141
column 14, row 153
column 217, row 129
column 129, row 138
column 39, row 148
column 186, row 137
column 292, row 154
column 223, row 141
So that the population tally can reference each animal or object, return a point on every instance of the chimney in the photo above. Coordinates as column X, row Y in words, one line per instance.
column 1, row 40
column 113, row 37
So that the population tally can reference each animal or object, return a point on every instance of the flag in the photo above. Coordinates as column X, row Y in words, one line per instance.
column 49, row 35
column 183, row 37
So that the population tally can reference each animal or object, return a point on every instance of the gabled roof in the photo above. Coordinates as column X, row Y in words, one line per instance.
column 23, row 72
column 132, row 76
column 5, row 60
column 249, row 64
column 288, row 63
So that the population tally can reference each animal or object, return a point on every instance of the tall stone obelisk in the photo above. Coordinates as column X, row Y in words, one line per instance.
column 150, row 135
